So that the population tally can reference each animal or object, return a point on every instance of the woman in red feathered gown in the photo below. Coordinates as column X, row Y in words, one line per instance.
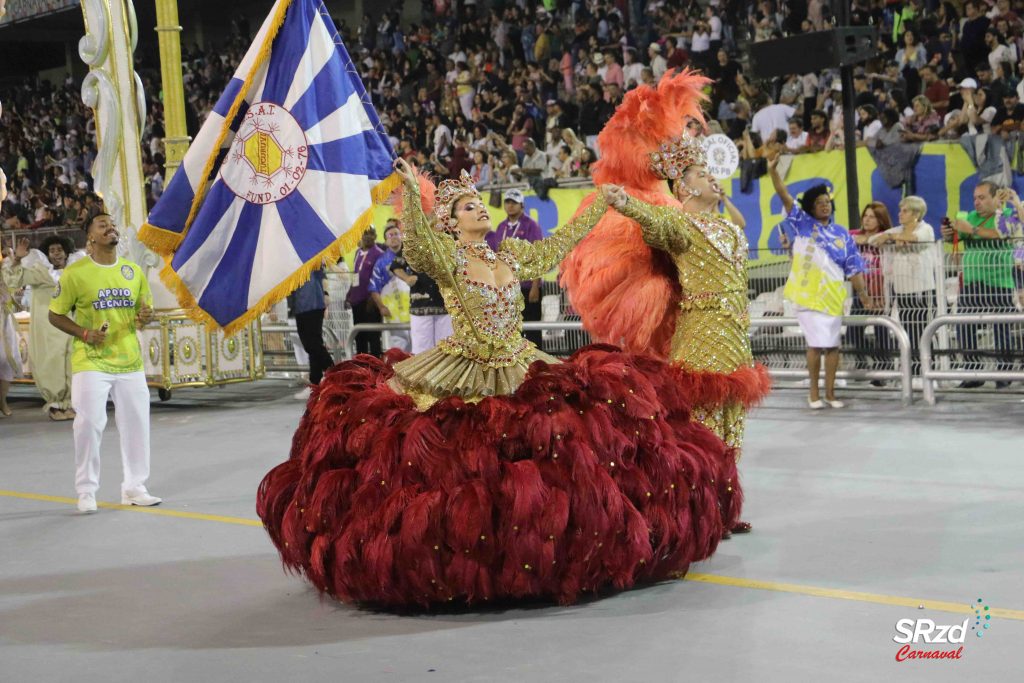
column 485, row 469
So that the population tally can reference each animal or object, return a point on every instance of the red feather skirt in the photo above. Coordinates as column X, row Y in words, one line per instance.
column 590, row 476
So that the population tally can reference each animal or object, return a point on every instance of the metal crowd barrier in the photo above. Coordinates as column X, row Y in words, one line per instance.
column 903, row 374
column 931, row 374
column 892, row 326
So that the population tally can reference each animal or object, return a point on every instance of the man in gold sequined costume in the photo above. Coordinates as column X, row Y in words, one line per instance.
column 666, row 273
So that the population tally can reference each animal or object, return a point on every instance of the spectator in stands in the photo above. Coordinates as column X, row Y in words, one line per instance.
column 910, row 261
column 972, row 34
column 1009, row 116
column 819, row 133
column 358, row 297
column 771, row 118
column 892, row 130
column 612, row 72
column 862, row 94
column 987, row 284
column 481, row 170
column 519, row 225
column 460, row 160
column 910, row 58
column 924, row 124
column 658, row 64
column 535, row 162
column 796, row 142
column 998, row 51
column 874, row 220
column 521, row 128
column 975, row 116
column 632, row 70
column 869, row 125
column 442, row 136
column 889, row 81
column 935, row 89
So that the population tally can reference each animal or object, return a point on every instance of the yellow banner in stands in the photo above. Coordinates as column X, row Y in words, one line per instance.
column 944, row 177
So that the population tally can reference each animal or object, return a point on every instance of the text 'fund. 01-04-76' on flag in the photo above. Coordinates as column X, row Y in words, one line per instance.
column 282, row 175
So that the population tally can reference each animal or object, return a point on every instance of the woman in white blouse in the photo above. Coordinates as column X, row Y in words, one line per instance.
column 909, row 254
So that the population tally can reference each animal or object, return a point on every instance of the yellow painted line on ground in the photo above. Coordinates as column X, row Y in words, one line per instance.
column 856, row 596
column 799, row 589
column 162, row 512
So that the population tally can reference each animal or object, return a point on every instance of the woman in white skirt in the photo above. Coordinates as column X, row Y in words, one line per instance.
column 824, row 255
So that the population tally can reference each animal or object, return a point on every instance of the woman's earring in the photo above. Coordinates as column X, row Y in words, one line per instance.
column 693, row 192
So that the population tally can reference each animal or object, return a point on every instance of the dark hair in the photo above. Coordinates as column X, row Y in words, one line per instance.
column 890, row 116
column 67, row 245
column 992, row 187
column 393, row 226
column 92, row 217
column 810, row 196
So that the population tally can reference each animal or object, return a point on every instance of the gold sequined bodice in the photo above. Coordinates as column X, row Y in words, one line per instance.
column 710, row 254
column 487, row 320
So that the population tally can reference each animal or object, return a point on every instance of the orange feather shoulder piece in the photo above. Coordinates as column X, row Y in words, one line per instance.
column 625, row 292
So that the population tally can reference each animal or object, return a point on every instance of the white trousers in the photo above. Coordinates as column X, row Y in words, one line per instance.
column 89, row 392
column 428, row 330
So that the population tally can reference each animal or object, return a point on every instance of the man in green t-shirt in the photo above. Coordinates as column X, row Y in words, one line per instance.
column 987, row 284
column 111, row 300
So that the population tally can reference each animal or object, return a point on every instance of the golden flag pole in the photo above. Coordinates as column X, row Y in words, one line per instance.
column 176, row 138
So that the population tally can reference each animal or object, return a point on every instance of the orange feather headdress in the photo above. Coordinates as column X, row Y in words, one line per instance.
column 625, row 292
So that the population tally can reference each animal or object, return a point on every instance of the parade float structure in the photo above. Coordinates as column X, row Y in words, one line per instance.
column 177, row 351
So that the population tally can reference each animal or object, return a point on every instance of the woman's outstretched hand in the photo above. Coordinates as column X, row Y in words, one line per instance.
column 408, row 175
column 614, row 195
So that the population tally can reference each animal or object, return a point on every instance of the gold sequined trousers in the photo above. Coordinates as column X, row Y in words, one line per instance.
column 727, row 421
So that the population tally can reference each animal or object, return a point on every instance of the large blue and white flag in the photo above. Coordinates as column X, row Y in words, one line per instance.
column 283, row 174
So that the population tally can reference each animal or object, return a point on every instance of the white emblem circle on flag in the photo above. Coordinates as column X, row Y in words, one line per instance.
column 268, row 157
column 723, row 157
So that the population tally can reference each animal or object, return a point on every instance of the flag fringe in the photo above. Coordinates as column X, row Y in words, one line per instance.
column 333, row 252
column 229, row 117
column 162, row 241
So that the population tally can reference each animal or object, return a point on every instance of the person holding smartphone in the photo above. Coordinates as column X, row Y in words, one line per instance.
column 111, row 299
column 987, row 285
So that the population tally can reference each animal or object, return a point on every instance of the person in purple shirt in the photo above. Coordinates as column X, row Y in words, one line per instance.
column 518, row 225
column 358, row 298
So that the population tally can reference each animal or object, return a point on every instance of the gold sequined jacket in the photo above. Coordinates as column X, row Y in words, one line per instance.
column 710, row 254
column 487, row 355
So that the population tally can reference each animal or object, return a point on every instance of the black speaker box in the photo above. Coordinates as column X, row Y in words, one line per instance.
column 815, row 51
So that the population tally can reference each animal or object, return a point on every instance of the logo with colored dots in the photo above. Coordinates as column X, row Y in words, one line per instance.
column 982, row 618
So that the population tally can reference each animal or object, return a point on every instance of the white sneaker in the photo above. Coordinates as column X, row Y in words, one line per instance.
column 87, row 503
column 304, row 394
column 815, row 405
column 140, row 498
column 835, row 404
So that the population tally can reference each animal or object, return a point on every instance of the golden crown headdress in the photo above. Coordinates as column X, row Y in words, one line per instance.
column 677, row 154
column 449, row 192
